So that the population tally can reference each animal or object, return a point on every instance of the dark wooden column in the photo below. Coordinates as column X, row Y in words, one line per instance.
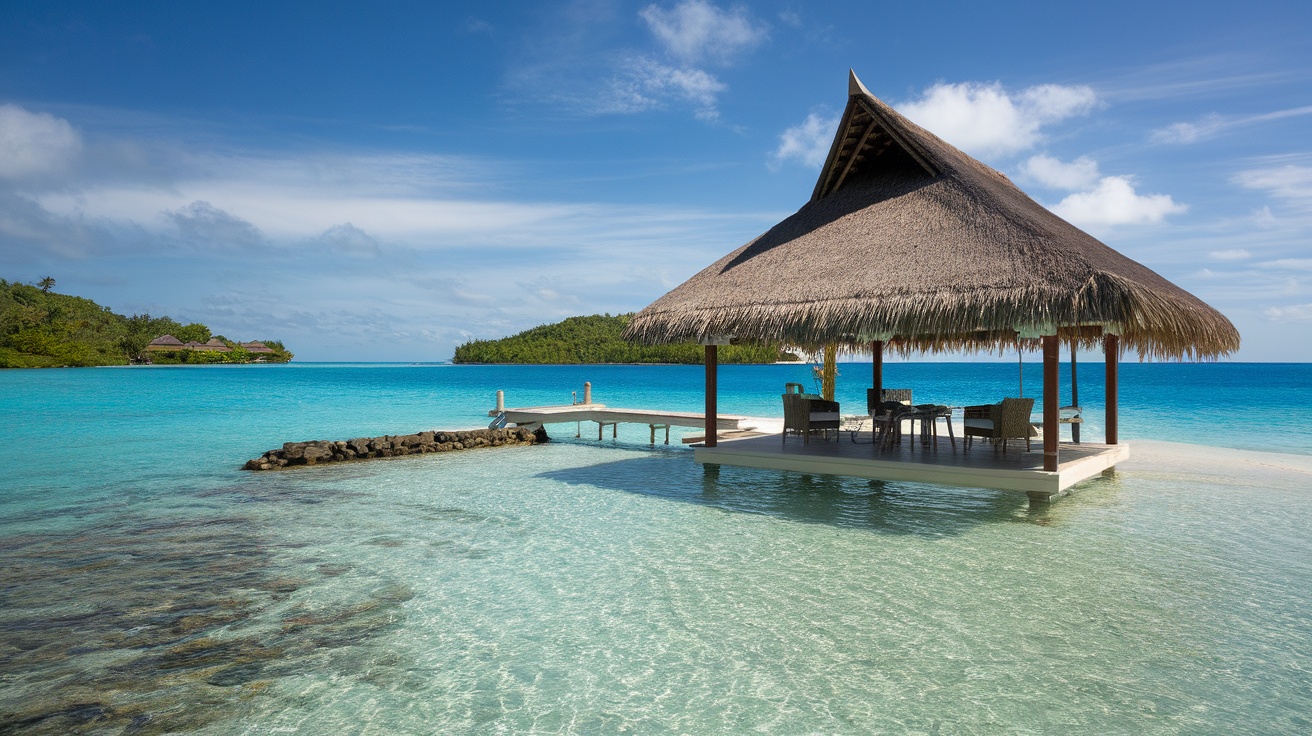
column 877, row 369
column 1075, row 388
column 1111, row 346
column 1050, row 401
column 712, row 359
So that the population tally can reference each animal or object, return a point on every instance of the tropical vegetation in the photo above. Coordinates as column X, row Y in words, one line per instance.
column 597, row 339
column 40, row 329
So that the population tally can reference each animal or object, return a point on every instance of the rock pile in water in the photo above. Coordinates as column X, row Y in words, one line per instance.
column 326, row 451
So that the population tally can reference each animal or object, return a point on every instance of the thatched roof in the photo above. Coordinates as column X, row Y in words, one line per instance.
column 909, row 240
column 166, row 340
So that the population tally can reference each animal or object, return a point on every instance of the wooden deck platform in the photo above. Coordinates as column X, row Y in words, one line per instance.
column 978, row 467
column 608, row 416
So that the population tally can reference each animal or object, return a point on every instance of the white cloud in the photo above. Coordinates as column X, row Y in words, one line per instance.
column 1291, row 183
column 808, row 142
column 1082, row 173
column 696, row 30
column 1213, row 124
column 646, row 83
column 1114, row 202
column 34, row 143
column 1291, row 313
column 986, row 119
column 202, row 223
column 349, row 240
column 1232, row 254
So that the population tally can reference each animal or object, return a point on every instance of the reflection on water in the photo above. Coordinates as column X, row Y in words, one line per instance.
column 584, row 588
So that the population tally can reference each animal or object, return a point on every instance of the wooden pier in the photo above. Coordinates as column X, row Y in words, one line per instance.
column 605, row 416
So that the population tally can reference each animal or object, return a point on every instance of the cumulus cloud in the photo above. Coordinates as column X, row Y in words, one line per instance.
column 349, row 240
column 1114, row 202
column 203, row 223
column 1232, row 254
column 986, row 119
column 1082, row 173
column 1291, row 313
column 808, row 142
column 695, row 30
column 34, row 143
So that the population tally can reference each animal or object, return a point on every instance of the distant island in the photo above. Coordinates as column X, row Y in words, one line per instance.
column 596, row 339
column 42, row 329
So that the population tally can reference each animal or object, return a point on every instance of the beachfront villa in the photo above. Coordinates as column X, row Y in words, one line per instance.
column 169, row 343
column 908, row 244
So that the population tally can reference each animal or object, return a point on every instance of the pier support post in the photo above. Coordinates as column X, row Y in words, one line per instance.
column 587, row 392
column 712, row 360
column 1050, row 414
column 877, row 369
column 1075, row 389
column 1111, row 346
column 501, row 401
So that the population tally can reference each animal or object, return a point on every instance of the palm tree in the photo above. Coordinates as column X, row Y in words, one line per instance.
column 46, row 284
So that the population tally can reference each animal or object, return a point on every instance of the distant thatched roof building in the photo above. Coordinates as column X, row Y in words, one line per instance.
column 164, row 343
column 908, row 240
column 215, row 345
column 256, row 346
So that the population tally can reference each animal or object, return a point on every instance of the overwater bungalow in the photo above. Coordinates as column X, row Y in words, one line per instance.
column 908, row 244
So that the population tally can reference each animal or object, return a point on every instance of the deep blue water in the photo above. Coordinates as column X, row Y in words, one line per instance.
column 150, row 586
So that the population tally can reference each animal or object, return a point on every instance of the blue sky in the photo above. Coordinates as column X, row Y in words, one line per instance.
column 384, row 181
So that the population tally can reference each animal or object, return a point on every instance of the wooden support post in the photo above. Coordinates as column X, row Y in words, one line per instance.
column 712, row 357
column 1075, row 388
column 1111, row 345
column 829, row 375
column 1051, row 416
column 877, row 369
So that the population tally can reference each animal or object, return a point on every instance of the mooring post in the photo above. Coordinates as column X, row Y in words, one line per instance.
column 501, row 401
column 587, row 392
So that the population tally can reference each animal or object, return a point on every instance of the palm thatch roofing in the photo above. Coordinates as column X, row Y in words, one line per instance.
column 907, row 239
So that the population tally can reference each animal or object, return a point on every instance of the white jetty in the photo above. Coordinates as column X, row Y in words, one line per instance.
column 533, row 417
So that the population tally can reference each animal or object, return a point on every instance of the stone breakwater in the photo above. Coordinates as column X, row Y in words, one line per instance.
column 363, row 448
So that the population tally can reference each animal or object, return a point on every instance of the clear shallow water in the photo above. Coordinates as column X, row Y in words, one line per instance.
column 577, row 587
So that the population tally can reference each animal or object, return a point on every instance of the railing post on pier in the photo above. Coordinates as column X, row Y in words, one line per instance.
column 587, row 392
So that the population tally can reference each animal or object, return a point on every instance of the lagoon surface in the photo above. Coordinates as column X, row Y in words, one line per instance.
column 149, row 586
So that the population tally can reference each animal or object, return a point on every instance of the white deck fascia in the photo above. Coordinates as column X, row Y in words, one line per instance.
column 824, row 459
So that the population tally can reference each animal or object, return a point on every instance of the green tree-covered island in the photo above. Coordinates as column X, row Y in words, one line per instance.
column 596, row 339
column 42, row 329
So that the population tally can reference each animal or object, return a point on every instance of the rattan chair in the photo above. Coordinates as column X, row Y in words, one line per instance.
column 807, row 413
column 1000, row 422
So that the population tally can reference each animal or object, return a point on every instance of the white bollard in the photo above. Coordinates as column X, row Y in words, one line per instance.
column 501, row 401
column 587, row 392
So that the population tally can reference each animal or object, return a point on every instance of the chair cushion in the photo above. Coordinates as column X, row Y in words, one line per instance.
column 824, row 416
column 975, row 423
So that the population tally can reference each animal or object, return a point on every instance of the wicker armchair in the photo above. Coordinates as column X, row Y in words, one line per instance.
column 807, row 413
column 902, row 395
column 1000, row 422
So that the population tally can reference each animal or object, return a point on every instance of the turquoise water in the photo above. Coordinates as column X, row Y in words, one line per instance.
column 151, row 587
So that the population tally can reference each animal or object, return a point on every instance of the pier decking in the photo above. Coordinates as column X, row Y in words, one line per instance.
column 604, row 416
column 979, row 467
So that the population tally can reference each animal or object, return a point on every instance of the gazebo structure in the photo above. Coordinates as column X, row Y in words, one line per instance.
column 909, row 244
